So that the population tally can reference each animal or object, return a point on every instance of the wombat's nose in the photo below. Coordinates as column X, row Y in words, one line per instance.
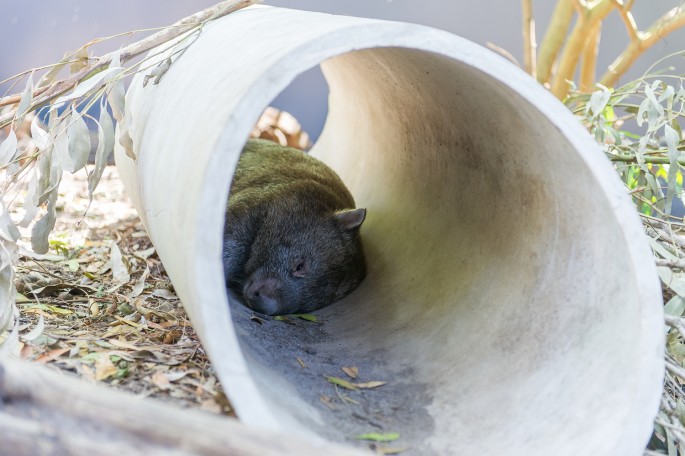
column 262, row 296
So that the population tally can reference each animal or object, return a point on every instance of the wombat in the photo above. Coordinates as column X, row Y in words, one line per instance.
column 291, row 239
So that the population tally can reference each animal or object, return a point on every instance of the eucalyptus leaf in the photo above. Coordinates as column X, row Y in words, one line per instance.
column 680, row 411
column 674, row 281
column 341, row 382
column 79, row 141
column 672, row 140
column 140, row 284
column 105, row 148
column 668, row 94
column 8, row 148
column 37, row 187
column 42, row 228
column 36, row 332
column 81, row 56
column 10, row 345
column 125, row 139
column 378, row 437
column 116, row 263
column 31, row 199
column 646, row 174
column 8, row 230
column 61, row 157
column 598, row 101
column 41, row 138
column 24, row 101
column 90, row 84
column 680, row 95
column 675, row 306
column 651, row 107
column 117, row 94
column 670, row 441
column 55, row 179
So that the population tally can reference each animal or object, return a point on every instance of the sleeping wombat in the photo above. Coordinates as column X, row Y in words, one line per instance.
column 291, row 239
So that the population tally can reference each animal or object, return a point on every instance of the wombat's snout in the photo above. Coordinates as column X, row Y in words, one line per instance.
column 262, row 295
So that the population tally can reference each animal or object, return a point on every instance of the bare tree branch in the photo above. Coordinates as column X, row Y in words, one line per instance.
column 588, row 66
column 529, row 45
column 554, row 38
column 666, row 24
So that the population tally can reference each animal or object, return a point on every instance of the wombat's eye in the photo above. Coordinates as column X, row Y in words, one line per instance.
column 299, row 267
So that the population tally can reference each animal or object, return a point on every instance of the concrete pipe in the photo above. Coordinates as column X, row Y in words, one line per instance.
column 511, row 303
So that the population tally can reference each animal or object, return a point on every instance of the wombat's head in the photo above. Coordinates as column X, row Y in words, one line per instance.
column 305, row 263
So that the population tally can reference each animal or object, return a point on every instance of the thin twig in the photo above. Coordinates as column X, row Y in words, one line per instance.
column 673, row 264
column 675, row 369
column 504, row 53
column 652, row 160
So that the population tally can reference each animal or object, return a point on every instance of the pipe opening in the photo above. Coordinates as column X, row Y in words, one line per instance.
column 482, row 281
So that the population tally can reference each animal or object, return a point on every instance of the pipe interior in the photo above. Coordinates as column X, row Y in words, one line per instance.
column 483, row 309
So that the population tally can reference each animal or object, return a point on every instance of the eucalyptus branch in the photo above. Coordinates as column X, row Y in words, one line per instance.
column 663, row 26
column 673, row 264
column 529, row 45
column 589, row 64
column 650, row 160
column 568, row 60
column 628, row 19
column 127, row 53
column 554, row 38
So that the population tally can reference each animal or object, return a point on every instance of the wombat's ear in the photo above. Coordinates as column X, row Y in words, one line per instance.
column 350, row 219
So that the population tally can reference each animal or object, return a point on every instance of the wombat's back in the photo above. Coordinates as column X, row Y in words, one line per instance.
column 266, row 169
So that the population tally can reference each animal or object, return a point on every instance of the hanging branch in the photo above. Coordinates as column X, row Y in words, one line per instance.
column 45, row 93
column 588, row 66
column 529, row 45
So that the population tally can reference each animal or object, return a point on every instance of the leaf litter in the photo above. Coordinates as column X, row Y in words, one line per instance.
column 99, row 302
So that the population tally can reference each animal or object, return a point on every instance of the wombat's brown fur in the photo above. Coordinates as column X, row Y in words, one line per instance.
column 291, row 240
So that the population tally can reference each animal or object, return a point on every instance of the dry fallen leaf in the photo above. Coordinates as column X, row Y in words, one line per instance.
column 164, row 294
column 351, row 371
column 160, row 380
column 327, row 401
column 104, row 368
column 341, row 382
column 140, row 284
column 378, row 437
column 210, row 405
column 116, row 263
column 51, row 355
column 368, row 385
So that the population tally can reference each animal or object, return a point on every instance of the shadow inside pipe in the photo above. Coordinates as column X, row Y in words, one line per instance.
column 305, row 361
